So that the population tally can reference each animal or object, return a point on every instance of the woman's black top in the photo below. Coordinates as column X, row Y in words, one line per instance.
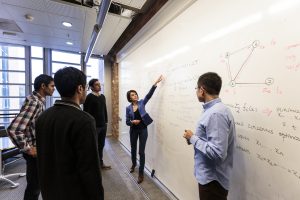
column 137, row 116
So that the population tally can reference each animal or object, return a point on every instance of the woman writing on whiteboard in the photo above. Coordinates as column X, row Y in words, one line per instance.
column 138, row 120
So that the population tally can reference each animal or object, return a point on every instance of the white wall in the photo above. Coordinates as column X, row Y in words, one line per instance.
column 254, row 46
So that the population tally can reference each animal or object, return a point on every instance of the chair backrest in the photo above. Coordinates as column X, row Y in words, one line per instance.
column 8, row 154
column 3, row 132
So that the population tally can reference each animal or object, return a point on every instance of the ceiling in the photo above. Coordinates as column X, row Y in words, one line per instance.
column 43, row 24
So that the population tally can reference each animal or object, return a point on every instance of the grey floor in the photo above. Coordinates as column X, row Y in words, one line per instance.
column 118, row 183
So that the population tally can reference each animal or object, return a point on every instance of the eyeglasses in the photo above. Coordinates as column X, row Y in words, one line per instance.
column 200, row 88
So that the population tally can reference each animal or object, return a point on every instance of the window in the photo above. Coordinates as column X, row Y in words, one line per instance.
column 12, row 64
column 17, row 74
column 37, row 62
column 12, row 81
column 60, row 60
column 36, row 68
column 57, row 66
column 95, row 69
column 36, row 52
column 66, row 57
column 12, row 51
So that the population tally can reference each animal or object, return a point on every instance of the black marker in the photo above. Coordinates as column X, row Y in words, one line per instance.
column 187, row 140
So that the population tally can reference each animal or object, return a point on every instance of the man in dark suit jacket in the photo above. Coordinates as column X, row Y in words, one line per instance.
column 68, row 161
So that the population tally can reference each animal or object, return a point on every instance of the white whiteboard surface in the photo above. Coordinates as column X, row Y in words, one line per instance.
column 255, row 47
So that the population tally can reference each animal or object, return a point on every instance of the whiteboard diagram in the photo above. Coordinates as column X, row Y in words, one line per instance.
column 247, row 51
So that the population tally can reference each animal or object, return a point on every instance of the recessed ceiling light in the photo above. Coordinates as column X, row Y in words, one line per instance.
column 67, row 24
column 69, row 43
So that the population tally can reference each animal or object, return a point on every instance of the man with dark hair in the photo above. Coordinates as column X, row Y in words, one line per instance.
column 95, row 104
column 213, row 141
column 22, row 130
column 68, row 160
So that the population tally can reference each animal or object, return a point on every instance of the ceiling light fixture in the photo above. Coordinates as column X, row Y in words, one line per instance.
column 69, row 43
column 67, row 24
column 103, row 9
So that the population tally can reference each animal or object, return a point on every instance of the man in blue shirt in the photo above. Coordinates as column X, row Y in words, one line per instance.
column 214, row 140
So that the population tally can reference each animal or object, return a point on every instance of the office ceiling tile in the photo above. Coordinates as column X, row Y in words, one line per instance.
column 31, row 4
column 46, row 28
column 62, row 9
column 67, row 35
column 90, row 21
column 35, row 29
column 18, row 14
column 12, row 39
column 137, row 3
column 3, row 12
column 56, row 21
column 132, row 3
column 113, row 27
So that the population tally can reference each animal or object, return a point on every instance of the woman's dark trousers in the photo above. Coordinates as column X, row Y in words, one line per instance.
column 142, row 135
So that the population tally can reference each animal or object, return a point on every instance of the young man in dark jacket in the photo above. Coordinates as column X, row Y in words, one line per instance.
column 95, row 104
column 68, row 164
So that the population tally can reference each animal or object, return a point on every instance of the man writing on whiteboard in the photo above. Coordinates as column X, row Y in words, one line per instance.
column 214, row 140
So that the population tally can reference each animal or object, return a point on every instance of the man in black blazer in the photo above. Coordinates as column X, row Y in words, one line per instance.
column 68, row 161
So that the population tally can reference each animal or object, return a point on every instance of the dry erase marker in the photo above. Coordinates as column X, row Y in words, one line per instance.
column 187, row 140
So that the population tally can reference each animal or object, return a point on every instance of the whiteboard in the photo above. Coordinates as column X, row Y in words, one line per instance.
column 255, row 47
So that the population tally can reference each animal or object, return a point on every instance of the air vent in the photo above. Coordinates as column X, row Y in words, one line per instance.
column 122, row 10
column 9, row 25
column 87, row 3
column 115, row 9
column 9, row 33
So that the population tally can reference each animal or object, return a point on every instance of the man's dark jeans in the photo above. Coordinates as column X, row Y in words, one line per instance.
column 101, row 135
column 32, row 190
column 212, row 191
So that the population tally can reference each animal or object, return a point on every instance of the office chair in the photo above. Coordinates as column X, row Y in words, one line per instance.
column 8, row 155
